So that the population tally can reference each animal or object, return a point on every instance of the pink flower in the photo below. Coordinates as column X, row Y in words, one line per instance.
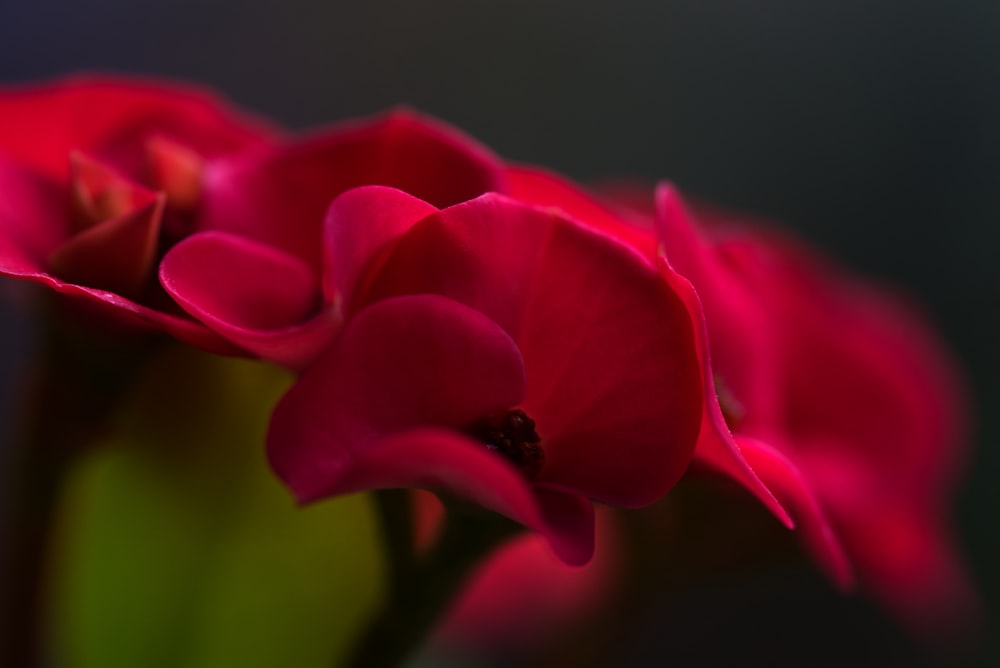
column 497, row 351
column 840, row 398
column 96, row 176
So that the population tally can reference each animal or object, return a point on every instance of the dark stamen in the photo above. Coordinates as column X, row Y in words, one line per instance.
column 512, row 434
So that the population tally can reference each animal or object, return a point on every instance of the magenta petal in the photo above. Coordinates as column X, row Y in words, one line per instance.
column 117, row 255
column 280, row 196
column 522, row 595
column 112, row 116
column 32, row 219
column 538, row 186
column 444, row 460
column 716, row 447
column 613, row 377
column 261, row 298
column 900, row 543
column 401, row 363
column 792, row 489
column 741, row 330
column 359, row 225
column 737, row 353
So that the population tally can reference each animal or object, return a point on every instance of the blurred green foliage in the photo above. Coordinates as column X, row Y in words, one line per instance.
column 178, row 548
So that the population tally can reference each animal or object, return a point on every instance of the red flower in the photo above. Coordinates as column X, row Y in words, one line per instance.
column 96, row 175
column 498, row 351
column 840, row 398
column 255, row 276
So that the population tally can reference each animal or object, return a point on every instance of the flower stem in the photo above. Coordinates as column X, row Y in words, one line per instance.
column 421, row 587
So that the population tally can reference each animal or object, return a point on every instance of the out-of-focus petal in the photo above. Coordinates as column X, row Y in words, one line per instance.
column 112, row 117
column 117, row 255
column 737, row 341
column 534, row 185
column 743, row 346
column 523, row 595
column 280, row 196
column 32, row 219
column 900, row 543
column 797, row 494
column 863, row 372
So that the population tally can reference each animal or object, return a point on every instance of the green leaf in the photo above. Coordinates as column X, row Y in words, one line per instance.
column 179, row 549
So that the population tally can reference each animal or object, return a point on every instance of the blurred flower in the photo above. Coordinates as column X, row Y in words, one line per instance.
column 841, row 399
column 523, row 597
column 498, row 351
column 97, row 176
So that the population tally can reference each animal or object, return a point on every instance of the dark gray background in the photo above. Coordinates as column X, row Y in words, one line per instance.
column 869, row 126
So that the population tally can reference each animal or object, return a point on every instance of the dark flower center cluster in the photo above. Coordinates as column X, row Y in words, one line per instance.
column 512, row 434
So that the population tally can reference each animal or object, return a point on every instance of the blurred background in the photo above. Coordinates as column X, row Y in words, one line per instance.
column 871, row 128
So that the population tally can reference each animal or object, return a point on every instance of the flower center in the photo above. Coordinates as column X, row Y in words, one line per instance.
column 512, row 435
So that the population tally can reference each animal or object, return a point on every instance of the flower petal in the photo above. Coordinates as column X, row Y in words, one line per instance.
column 900, row 543
column 538, row 186
column 863, row 372
column 280, row 196
column 717, row 448
column 444, row 460
column 613, row 377
column 115, row 255
column 399, row 364
column 523, row 596
column 32, row 219
column 112, row 117
column 796, row 494
column 359, row 226
column 262, row 299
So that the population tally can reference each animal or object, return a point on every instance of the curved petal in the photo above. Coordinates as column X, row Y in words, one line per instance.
column 112, row 117
column 264, row 300
column 445, row 460
column 741, row 330
column 613, row 377
column 117, row 254
column 792, row 489
column 716, row 447
column 399, row 364
column 359, row 226
column 732, row 351
column 544, row 188
column 900, row 544
column 114, row 308
column 863, row 373
column 523, row 595
column 280, row 196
